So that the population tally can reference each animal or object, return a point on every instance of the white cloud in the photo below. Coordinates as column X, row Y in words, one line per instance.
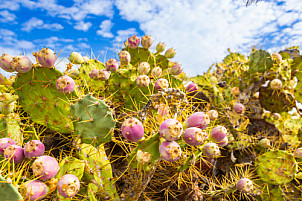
column 105, row 31
column 10, row 5
column 7, row 16
column 83, row 26
column 123, row 35
column 35, row 23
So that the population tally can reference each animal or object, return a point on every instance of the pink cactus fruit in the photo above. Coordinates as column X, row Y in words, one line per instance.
column 163, row 110
column 195, row 136
column 112, row 65
column 161, row 84
column 192, row 88
column 143, row 68
column 276, row 84
column 133, row 42
column 6, row 142
column 21, row 64
column 146, row 42
column 14, row 153
column 103, row 75
column 33, row 190
column 68, row 185
column 239, row 108
column 213, row 114
column 160, row 47
column 199, row 119
column 5, row 62
column 124, row 57
column 176, row 69
column 93, row 73
column 235, row 91
column 46, row 57
column 211, row 150
column 170, row 151
column 244, row 185
column 156, row 72
column 170, row 53
column 223, row 142
column 34, row 148
column 170, row 129
column 218, row 133
column 45, row 167
column 298, row 153
column 143, row 81
column 132, row 129
column 65, row 84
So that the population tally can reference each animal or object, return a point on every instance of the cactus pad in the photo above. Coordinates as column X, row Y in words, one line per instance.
column 260, row 61
column 139, row 55
column 8, row 191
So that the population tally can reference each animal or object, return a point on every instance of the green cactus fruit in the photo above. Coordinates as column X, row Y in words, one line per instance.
column 260, row 61
column 76, row 58
column 276, row 167
column 42, row 101
column 94, row 120
column 10, row 128
column 8, row 191
column 276, row 101
column 139, row 55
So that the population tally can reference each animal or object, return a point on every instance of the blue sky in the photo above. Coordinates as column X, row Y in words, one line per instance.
column 199, row 30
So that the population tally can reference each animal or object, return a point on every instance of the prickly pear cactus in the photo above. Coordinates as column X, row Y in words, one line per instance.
column 139, row 55
column 10, row 127
column 260, row 61
column 8, row 191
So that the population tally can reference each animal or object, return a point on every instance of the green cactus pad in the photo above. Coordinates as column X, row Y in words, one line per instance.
column 139, row 55
column 276, row 101
column 94, row 121
column 9, row 192
column 276, row 167
column 71, row 165
column 9, row 127
column 233, row 57
column 298, row 88
column 260, row 61
column 162, row 61
column 92, row 189
column 42, row 101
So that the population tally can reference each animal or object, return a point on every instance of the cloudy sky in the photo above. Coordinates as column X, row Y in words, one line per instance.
column 199, row 30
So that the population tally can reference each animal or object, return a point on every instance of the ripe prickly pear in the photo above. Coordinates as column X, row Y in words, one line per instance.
column 21, row 64
column 76, row 58
column 161, row 84
column 192, row 88
column 211, row 150
column 142, row 157
column 218, row 133
column 34, row 148
column 235, row 91
column 156, row 72
column 45, row 167
column 223, row 142
column 244, row 185
column 68, row 185
column 298, row 153
column 198, row 119
column 170, row 151
column 176, row 69
column 124, row 57
column 93, row 73
column 146, row 42
column 143, row 68
column 163, row 110
column 133, row 42
column 276, row 84
column 213, row 114
column 170, row 53
column 143, row 81
column 46, row 57
column 5, row 62
column 132, row 129
column 239, row 108
column 33, row 190
column 195, row 136
column 14, row 153
column 112, row 65
column 170, row 129
column 4, row 143
column 103, row 75
column 65, row 84
column 160, row 47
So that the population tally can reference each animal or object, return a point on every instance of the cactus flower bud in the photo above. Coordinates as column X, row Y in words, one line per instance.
column 160, row 47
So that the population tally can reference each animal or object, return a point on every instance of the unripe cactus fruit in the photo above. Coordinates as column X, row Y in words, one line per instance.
column 276, row 116
column 170, row 129
column 124, row 57
column 86, row 59
column 5, row 62
column 195, row 136
column 132, row 129
column 76, row 58
column 213, row 80
column 161, row 84
column 68, row 185
column 192, row 88
column 33, row 190
column 235, row 91
column 103, row 75
column 45, row 167
column 213, row 114
column 65, row 84
column 156, row 72
column 93, row 73
column 6, row 142
column 198, row 119
column 176, row 69
column 74, row 73
column 142, row 157
column 143, row 81
column 163, row 110
column 170, row 151
column 133, row 42
column 160, row 47
column 34, row 148
column 211, row 150
column 146, row 42
column 170, row 53
column 264, row 143
column 244, row 185
column 277, row 57
column 143, row 68
column 219, row 133
column 46, row 57
column 298, row 153
column 239, row 108
column 112, row 65
column 14, row 153
column 21, row 64
column 276, row 84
